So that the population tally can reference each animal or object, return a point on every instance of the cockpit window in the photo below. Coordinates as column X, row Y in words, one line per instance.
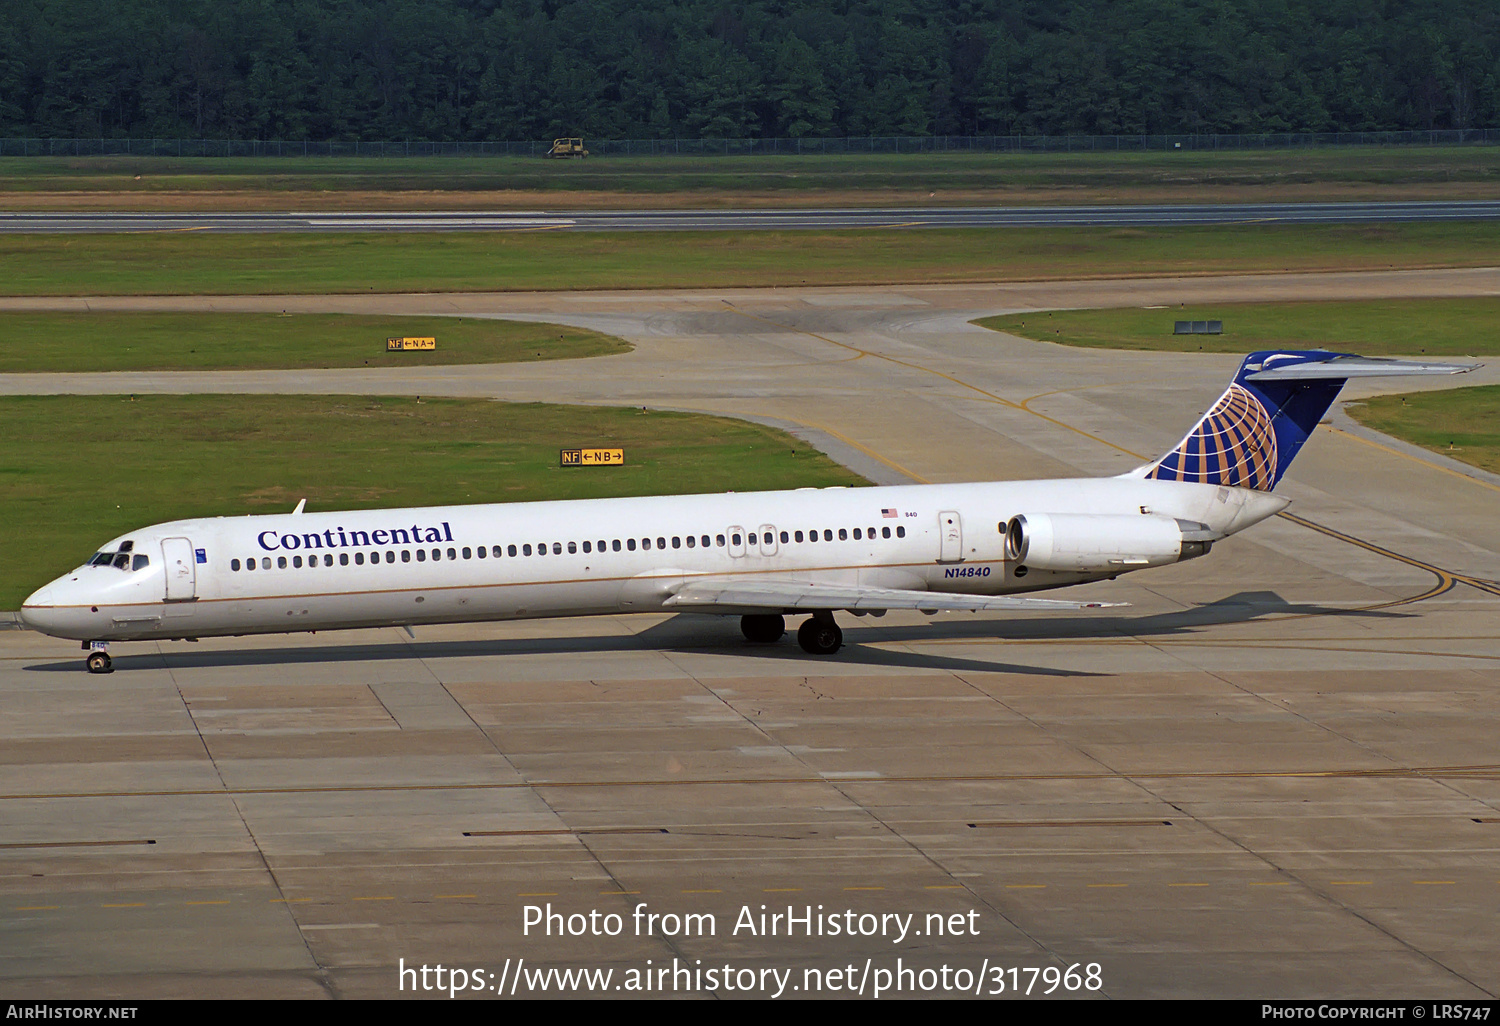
column 101, row 559
column 123, row 561
column 140, row 562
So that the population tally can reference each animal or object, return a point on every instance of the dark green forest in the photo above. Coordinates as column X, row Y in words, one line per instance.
column 530, row 69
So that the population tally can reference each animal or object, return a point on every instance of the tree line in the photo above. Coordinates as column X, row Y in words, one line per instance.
column 535, row 69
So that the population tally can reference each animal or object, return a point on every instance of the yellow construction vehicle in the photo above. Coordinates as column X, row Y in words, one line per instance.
column 567, row 148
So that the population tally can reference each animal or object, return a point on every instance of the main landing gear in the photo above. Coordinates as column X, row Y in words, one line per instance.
column 97, row 660
column 818, row 636
column 762, row 628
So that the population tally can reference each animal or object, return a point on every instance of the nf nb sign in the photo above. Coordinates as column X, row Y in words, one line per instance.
column 591, row 457
column 394, row 345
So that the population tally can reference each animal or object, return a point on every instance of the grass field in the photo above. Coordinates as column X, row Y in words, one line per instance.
column 1463, row 422
column 1406, row 327
column 78, row 470
column 303, row 183
column 204, row 263
column 222, row 341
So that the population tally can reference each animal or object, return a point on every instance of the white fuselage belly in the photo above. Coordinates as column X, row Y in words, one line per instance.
column 209, row 597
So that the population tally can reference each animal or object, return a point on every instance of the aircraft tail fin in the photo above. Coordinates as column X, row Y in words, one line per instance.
column 1250, row 436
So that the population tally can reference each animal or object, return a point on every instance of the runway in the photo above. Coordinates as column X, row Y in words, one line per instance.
column 761, row 220
column 1272, row 776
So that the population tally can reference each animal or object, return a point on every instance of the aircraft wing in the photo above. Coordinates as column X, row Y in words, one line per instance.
column 781, row 595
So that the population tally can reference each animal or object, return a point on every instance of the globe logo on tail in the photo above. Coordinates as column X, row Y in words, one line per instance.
column 1234, row 444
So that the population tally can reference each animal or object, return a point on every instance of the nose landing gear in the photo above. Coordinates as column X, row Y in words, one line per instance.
column 98, row 661
column 820, row 635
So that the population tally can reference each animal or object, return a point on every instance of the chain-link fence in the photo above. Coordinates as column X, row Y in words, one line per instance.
column 741, row 147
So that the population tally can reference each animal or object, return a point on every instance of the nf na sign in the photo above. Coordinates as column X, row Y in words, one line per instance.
column 395, row 345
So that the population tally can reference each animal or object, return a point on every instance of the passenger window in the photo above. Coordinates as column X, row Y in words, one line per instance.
column 249, row 564
column 615, row 545
column 437, row 554
column 785, row 538
column 797, row 535
column 359, row 559
column 482, row 552
column 705, row 541
column 297, row 562
column 406, row 555
column 676, row 542
column 885, row 532
column 768, row 538
column 588, row 547
column 557, row 548
column 900, row 532
column 343, row 559
column 526, row 549
column 511, row 550
column 468, row 553
column 630, row 544
column 646, row 543
column 719, row 538
column 265, row 562
column 870, row 533
column 690, row 541
column 541, row 549
column 661, row 543
column 602, row 546
column 234, row 565
column 827, row 534
column 495, row 552
column 390, row 557
column 812, row 536
column 452, row 554
column 734, row 538
column 421, row 555
column 856, row 535
column 843, row 535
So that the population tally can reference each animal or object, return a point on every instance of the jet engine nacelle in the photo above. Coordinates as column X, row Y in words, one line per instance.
column 1093, row 543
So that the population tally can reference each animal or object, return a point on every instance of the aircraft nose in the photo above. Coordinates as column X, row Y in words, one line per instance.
column 40, row 610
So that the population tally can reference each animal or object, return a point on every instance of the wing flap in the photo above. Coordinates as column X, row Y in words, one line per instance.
column 779, row 595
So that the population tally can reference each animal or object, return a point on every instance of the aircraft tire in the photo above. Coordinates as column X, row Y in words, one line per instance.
column 763, row 628
column 820, row 636
column 99, row 662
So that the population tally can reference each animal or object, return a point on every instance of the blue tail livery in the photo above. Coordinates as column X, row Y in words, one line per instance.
column 1250, row 436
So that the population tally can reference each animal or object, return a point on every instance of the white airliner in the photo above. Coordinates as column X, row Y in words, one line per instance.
column 756, row 555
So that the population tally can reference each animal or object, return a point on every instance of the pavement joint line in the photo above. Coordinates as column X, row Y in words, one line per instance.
column 537, row 894
column 705, row 891
column 454, row 896
column 1468, row 772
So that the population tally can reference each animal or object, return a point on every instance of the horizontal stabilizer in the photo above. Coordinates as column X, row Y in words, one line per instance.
column 1342, row 366
column 778, row 595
